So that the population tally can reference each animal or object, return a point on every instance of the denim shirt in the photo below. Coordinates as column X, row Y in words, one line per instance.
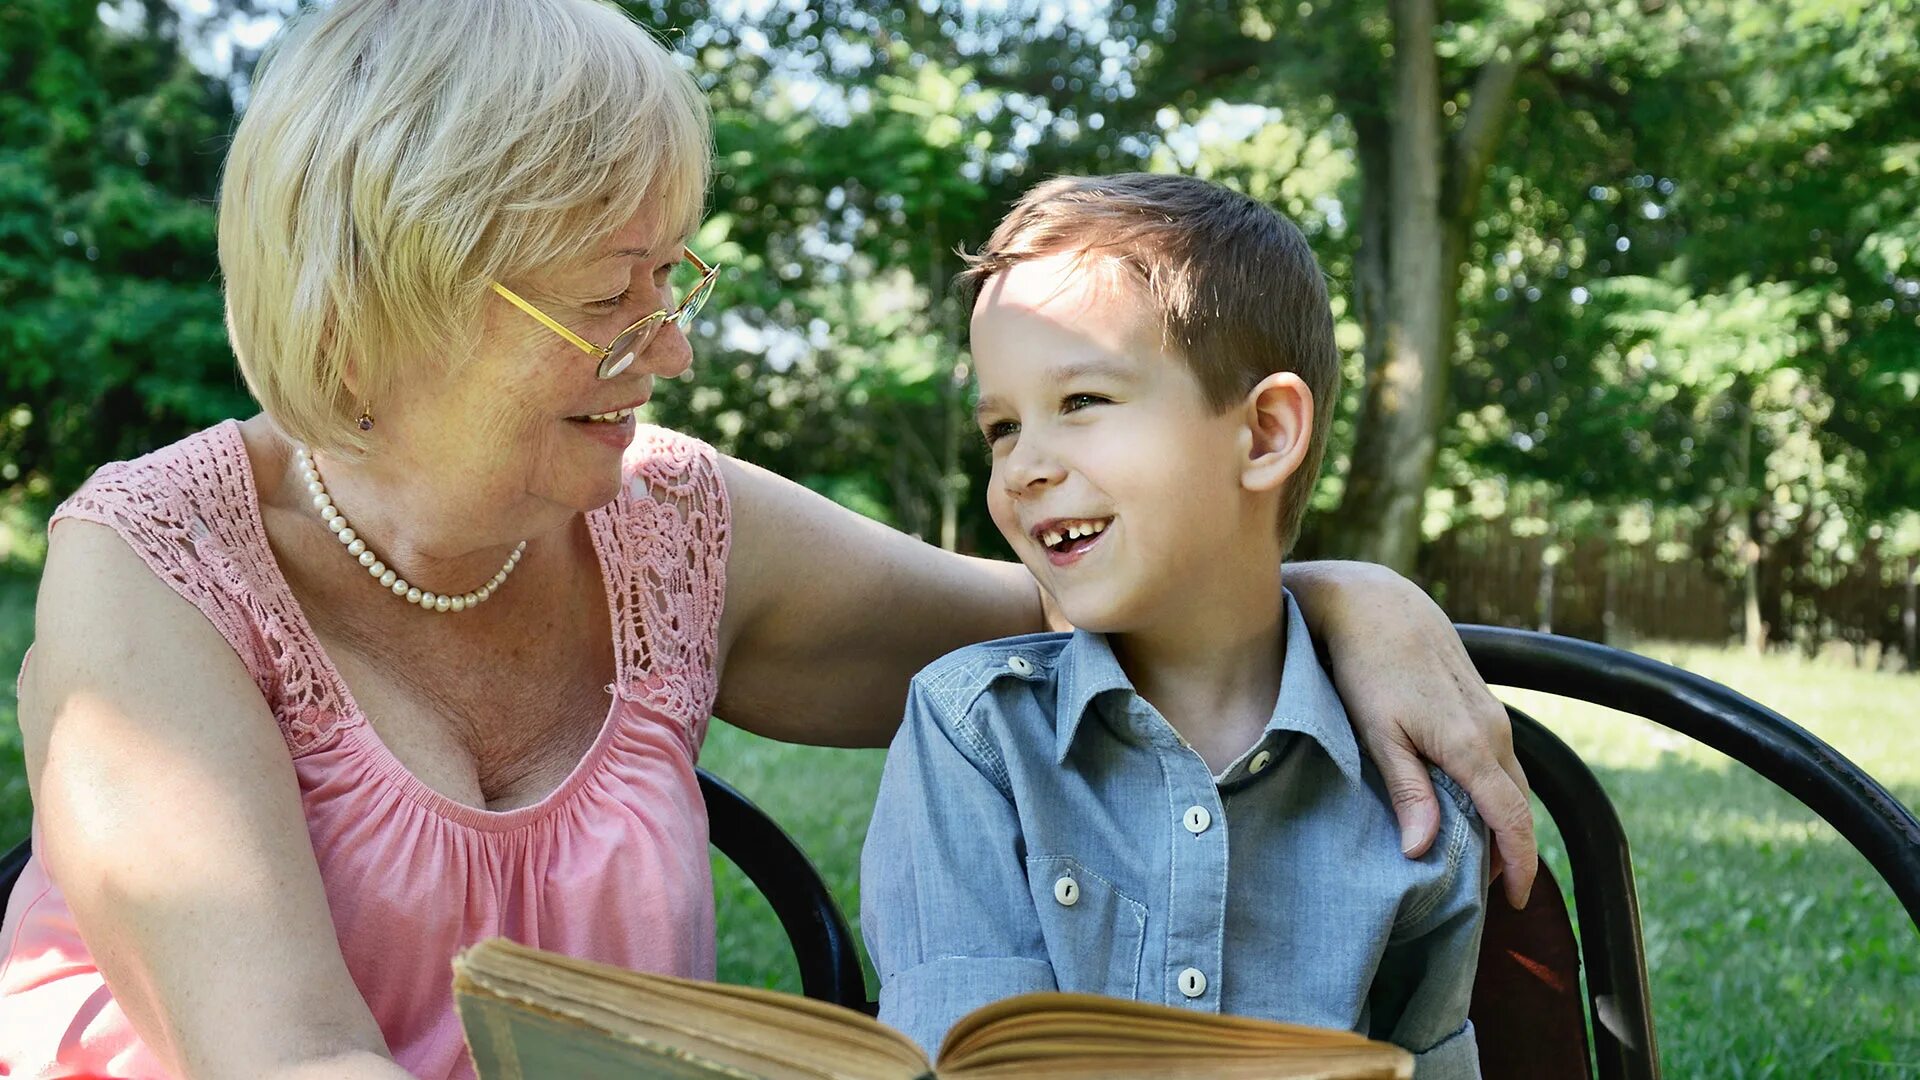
column 1040, row 826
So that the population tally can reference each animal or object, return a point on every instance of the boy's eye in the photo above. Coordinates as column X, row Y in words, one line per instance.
column 998, row 430
column 1076, row 402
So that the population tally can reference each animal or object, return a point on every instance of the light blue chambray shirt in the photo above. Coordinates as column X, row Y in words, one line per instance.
column 1040, row 826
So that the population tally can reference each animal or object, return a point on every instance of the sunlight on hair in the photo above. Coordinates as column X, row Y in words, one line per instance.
column 388, row 168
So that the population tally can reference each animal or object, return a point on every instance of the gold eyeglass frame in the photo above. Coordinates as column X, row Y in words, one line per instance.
column 628, row 343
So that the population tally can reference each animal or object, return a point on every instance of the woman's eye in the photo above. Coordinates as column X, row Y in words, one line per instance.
column 612, row 302
column 1076, row 402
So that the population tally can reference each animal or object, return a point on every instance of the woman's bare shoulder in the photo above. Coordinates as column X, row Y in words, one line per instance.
column 104, row 618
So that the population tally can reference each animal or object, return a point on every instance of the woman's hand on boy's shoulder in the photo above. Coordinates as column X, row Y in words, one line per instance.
column 1413, row 696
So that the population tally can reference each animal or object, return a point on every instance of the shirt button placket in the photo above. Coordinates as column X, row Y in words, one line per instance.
column 1196, row 921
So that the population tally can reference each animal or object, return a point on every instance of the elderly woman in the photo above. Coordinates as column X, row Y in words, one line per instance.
column 425, row 652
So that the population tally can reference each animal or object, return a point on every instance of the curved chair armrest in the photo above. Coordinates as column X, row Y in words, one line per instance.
column 829, row 966
column 1855, row 804
column 11, row 864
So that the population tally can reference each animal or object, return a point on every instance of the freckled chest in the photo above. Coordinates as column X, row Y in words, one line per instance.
column 492, row 708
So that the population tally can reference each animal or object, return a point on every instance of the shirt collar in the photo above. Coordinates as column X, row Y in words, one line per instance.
column 1307, row 703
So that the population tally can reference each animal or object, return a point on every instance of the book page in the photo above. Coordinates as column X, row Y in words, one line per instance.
column 732, row 1031
column 1083, row 1035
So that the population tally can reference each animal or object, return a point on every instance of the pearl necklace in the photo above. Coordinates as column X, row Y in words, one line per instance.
column 379, row 571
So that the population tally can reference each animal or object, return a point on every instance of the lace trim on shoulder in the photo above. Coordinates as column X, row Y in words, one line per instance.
column 665, row 541
column 190, row 512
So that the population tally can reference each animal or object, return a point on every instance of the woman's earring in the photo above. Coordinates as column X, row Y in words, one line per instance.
column 366, row 418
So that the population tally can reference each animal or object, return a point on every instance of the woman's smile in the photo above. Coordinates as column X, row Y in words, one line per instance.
column 614, row 429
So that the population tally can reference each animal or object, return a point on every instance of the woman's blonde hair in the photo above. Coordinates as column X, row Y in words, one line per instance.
column 398, row 155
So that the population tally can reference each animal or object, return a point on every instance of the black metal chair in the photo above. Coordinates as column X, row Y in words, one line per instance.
column 829, row 966
column 1527, row 1005
column 1618, row 1009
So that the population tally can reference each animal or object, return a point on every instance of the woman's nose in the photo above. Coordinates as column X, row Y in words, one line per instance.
column 669, row 355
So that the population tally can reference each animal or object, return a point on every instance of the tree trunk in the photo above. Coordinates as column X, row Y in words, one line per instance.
column 1746, row 520
column 1909, row 621
column 1398, row 427
column 951, row 393
column 1544, row 601
column 1756, row 627
column 952, row 480
column 1373, row 136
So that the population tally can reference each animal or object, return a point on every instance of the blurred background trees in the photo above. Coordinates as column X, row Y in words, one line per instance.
column 1629, row 289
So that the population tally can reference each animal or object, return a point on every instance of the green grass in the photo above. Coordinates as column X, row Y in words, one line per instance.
column 1774, row 949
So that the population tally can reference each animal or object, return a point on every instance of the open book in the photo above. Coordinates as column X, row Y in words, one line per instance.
column 532, row 1014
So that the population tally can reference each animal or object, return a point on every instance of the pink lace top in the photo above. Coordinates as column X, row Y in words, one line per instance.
column 612, row 865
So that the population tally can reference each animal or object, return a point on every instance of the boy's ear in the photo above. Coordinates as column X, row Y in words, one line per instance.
column 1279, row 419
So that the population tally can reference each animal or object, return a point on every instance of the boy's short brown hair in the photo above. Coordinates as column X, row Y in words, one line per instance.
column 1239, row 292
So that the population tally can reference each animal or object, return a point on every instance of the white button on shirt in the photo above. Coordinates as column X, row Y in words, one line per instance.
column 1193, row 982
column 1197, row 819
column 1260, row 761
column 1067, row 891
column 1020, row 666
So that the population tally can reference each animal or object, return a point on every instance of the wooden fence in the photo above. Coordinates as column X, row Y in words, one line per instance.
column 1620, row 593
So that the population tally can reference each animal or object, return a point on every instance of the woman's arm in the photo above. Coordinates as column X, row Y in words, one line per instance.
column 170, row 817
column 828, row 615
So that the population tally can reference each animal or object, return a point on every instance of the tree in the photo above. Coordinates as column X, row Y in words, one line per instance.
column 109, row 156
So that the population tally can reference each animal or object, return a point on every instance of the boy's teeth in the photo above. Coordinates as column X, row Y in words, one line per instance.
column 1075, row 531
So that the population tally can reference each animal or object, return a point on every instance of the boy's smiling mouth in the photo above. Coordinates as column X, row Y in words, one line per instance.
column 1067, row 539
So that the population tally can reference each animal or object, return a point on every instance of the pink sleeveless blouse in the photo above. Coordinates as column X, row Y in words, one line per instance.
column 611, row 866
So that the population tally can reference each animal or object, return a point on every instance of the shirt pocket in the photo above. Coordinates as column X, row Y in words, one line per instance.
column 1093, row 931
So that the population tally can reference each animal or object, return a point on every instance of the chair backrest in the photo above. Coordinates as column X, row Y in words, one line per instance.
column 1527, row 1007
column 1527, row 1011
column 1859, row 808
column 829, row 966
column 10, row 866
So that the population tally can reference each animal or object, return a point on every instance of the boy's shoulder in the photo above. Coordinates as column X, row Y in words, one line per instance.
column 956, row 681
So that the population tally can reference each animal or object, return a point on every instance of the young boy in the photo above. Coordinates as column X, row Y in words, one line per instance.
column 1166, row 804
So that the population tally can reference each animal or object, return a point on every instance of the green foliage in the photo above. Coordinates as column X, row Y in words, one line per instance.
column 109, row 153
column 1737, row 223
column 1677, row 184
column 16, row 633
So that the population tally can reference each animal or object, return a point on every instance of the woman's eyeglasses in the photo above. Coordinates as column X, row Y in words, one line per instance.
column 619, row 354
